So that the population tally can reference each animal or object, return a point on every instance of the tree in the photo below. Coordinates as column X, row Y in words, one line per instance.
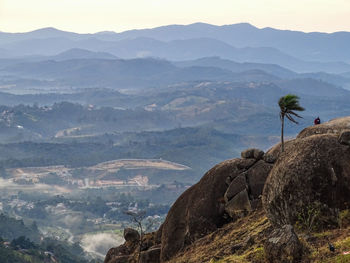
column 288, row 104
column 22, row 243
column 138, row 217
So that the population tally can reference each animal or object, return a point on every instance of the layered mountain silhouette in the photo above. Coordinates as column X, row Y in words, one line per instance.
column 298, row 51
column 99, row 69
column 127, row 73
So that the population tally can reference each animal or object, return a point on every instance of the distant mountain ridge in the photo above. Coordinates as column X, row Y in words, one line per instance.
column 78, row 53
column 120, row 73
column 310, row 46
column 81, row 68
column 238, row 67
column 299, row 51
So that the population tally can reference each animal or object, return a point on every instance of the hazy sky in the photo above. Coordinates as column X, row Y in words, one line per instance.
column 119, row 15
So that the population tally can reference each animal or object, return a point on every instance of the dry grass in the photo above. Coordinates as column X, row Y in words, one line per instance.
column 319, row 250
column 226, row 245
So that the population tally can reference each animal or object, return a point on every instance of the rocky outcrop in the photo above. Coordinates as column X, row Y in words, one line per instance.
column 198, row 211
column 244, row 191
column 312, row 174
column 130, row 250
column 252, row 153
column 256, row 177
column 283, row 246
column 344, row 137
column 150, row 255
column 239, row 205
column 335, row 126
column 123, row 253
column 228, row 191
column 237, row 185
column 131, row 235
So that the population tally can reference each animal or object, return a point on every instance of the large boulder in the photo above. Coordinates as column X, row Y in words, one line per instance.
column 117, row 259
column 239, row 205
column 151, row 255
column 198, row 211
column 283, row 246
column 129, row 251
column 236, row 186
column 269, row 158
column 243, row 194
column 256, row 177
column 312, row 173
column 344, row 137
column 274, row 152
column 122, row 253
column 228, row 191
column 252, row 153
column 131, row 235
column 335, row 126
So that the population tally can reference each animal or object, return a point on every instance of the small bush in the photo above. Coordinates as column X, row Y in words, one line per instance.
column 308, row 218
column 344, row 218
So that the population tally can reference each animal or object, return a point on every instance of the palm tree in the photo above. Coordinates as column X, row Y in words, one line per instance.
column 288, row 104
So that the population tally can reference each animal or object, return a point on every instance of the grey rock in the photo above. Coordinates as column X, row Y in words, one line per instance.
column 131, row 235
column 228, row 180
column 269, row 158
column 237, row 185
column 239, row 205
column 258, row 154
column 312, row 170
column 151, row 255
column 256, row 204
column 248, row 154
column 197, row 212
column 252, row 153
column 344, row 137
column 120, row 259
column 256, row 177
column 283, row 246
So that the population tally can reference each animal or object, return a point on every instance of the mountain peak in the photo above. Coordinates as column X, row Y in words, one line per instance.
column 201, row 24
column 47, row 30
column 105, row 33
column 242, row 26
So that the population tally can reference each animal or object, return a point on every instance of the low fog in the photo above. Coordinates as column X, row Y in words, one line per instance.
column 99, row 244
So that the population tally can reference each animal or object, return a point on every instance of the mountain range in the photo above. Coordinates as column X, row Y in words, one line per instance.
column 83, row 68
column 298, row 51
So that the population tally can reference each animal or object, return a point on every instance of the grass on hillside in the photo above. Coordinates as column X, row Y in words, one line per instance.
column 242, row 242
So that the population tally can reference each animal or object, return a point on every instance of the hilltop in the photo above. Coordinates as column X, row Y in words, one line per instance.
column 262, row 207
column 124, row 172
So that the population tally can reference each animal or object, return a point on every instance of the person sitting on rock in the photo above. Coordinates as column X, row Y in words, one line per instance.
column 317, row 121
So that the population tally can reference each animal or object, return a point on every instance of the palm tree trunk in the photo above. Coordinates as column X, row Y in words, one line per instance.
column 282, row 132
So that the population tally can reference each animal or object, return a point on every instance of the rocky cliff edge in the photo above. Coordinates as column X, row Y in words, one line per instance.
column 306, row 187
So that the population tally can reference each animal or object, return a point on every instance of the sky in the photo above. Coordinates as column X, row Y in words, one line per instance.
column 89, row 16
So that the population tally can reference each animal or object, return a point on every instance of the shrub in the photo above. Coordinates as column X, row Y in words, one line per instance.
column 344, row 218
